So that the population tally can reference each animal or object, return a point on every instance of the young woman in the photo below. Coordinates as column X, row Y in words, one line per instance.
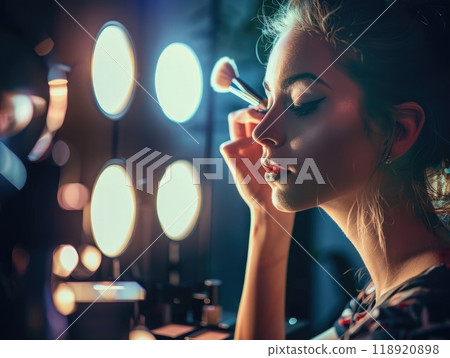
column 361, row 88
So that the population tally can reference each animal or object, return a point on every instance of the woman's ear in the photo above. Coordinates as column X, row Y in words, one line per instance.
column 410, row 118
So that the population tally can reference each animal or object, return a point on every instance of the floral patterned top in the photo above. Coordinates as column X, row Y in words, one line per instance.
column 417, row 309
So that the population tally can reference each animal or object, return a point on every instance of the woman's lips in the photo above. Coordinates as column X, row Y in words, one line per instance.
column 272, row 169
column 270, row 166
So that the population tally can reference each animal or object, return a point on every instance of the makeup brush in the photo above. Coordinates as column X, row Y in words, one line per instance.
column 225, row 78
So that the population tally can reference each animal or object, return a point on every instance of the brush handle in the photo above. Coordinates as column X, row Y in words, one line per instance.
column 244, row 96
column 244, row 87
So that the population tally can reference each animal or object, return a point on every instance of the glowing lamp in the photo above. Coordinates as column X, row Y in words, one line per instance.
column 73, row 196
column 179, row 82
column 113, row 210
column 90, row 257
column 113, row 69
column 178, row 200
column 65, row 259
column 64, row 299
column 141, row 333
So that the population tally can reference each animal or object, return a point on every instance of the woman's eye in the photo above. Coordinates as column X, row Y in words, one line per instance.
column 306, row 108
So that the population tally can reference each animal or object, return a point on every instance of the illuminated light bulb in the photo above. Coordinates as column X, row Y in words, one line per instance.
column 113, row 210
column 64, row 299
column 140, row 333
column 113, row 69
column 65, row 259
column 179, row 82
column 90, row 257
column 60, row 153
column 73, row 196
column 178, row 200
column 12, row 168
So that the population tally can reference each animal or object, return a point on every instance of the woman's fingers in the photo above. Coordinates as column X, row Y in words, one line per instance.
column 238, row 155
column 235, row 125
column 238, row 148
column 242, row 122
column 249, row 127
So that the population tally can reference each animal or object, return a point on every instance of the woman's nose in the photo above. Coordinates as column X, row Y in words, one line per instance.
column 269, row 131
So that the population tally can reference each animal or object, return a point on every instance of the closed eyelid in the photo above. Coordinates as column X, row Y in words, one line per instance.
column 300, row 77
column 295, row 92
column 309, row 102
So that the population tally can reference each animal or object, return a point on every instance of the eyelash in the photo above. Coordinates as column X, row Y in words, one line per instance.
column 303, row 109
column 306, row 108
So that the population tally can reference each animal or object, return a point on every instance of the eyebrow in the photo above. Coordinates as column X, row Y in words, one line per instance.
column 288, row 82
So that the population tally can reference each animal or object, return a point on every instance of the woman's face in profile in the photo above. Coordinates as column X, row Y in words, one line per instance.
column 322, row 121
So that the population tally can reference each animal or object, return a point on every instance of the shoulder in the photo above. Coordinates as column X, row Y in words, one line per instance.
column 419, row 309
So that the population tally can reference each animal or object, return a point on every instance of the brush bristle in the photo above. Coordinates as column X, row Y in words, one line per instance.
column 224, row 71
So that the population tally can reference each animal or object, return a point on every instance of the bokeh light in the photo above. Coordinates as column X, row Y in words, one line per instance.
column 113, row 210
column 57, row 106
column 12, row 168
column 113, row 69
column 17, row 110
column 23, row 108
column 179, row 82
column 178, row 200
column 73, row 196
column 42, row 146
column 64, row 299
column 60, row 153
column 141, row 333
column 44, row 47
column 65, row 259
column 90, row 257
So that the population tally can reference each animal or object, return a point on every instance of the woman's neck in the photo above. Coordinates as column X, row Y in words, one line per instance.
column 409, row 248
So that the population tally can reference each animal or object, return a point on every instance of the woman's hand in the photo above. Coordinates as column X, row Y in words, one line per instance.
column 242, row 153
column 262, row 306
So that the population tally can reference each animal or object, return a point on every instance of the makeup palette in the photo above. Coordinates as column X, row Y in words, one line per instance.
column 173, row 330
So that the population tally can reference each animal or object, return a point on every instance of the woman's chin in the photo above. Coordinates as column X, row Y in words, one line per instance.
column 289, row 202
column 282, row 202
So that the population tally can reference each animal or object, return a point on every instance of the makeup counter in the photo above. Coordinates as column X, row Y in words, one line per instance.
column 185, row 316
